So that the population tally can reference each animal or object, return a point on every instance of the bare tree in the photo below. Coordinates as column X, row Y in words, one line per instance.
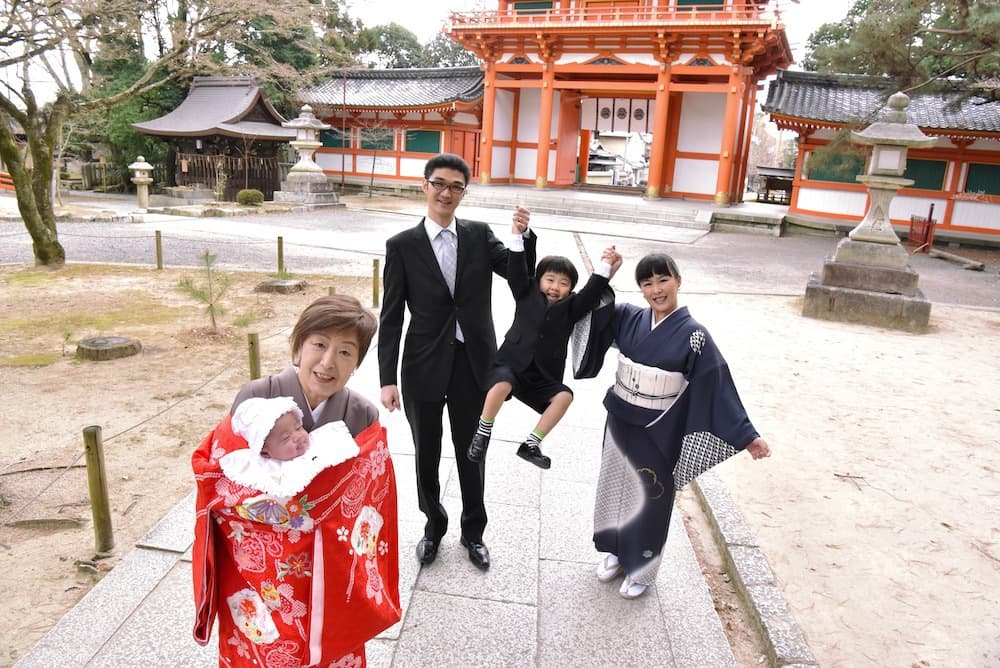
column 47, row 50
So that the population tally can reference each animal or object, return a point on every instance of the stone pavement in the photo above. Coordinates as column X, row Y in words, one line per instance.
column 540, row 603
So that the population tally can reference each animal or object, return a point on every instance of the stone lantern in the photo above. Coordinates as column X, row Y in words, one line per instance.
column 869, row 278
column 306, row 182
column 141, row 171
column 307, row 128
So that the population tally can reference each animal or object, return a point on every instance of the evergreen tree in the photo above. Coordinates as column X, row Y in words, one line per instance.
column 922, row 44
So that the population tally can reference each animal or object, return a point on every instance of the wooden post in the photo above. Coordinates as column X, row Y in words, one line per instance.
column 281, row 256
column 375, row 277
column 331, row 291
column 97, row 481
column 253, row 347
column 159, row 250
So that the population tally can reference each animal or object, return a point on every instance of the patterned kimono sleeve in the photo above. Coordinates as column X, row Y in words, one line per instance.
column 716, row 424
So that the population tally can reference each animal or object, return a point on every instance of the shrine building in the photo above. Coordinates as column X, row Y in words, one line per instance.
column 956, row 181
column 554, row 73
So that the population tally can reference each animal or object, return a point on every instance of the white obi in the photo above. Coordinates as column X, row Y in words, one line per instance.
column 647, row 386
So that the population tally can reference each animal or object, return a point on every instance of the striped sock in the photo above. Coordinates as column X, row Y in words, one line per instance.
column 534, row 438
column 485, row 427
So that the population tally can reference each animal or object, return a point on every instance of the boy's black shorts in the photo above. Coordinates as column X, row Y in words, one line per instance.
column 531, row 387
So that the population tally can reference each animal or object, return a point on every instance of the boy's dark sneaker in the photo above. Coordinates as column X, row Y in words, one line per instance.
column 533, row 454
column 477, row 449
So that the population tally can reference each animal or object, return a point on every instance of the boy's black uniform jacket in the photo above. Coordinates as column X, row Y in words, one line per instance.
column 540, row 330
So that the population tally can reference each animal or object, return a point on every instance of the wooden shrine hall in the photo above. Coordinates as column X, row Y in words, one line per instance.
column 554, row 73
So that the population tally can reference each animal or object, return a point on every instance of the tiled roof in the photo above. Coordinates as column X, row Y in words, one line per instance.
column 853, row 99
column 405, row 88
column 217, row 105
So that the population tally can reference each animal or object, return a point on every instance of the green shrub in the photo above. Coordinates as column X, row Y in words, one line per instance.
column 250, row 197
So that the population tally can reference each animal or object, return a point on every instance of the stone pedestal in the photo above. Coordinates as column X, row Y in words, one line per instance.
column 869, row 283
column 308, row 189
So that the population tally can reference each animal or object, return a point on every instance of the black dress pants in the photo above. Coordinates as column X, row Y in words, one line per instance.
column 464, row 400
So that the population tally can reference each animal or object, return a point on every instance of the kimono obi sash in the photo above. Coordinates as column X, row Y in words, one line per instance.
column 646, row 386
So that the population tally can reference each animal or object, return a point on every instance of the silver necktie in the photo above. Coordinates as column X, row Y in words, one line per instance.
column 449, row 258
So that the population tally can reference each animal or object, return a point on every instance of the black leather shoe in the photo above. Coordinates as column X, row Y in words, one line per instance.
column 427, row 550
column 477, row 449
column 533, row 454
column 478, row 554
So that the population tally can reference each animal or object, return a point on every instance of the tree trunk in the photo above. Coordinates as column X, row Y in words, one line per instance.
column 33, row 187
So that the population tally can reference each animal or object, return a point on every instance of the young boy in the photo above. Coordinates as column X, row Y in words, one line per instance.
column 532, row 359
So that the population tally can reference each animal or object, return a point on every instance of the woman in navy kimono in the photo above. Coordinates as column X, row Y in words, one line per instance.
column 673, row 413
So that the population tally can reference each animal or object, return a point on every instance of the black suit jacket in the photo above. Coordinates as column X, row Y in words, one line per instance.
column 540, row 330
column 412, row 278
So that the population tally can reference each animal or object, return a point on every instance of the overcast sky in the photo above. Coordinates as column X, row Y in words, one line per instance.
column 426, row 18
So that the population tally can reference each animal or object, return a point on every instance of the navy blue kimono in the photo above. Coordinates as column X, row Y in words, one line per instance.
column 648, row 453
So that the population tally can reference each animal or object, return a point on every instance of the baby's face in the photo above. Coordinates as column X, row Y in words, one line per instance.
column 287, row 439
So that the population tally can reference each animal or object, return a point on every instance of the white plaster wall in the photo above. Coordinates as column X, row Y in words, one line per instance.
column 528, row 119
column 500, row 166
column 468, row 119
column 612, row 44
column 695, row 176
column 903, row 206
column 526, row 163
column 412, row 167
column 551, row 176
column 333, row 162
column 503, row 115
column 383, row 166
column 984, row 145
column 832, row 201
column 976, row 214
column 702, row 115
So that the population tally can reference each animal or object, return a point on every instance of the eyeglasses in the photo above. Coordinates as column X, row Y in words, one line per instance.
column 455, row 188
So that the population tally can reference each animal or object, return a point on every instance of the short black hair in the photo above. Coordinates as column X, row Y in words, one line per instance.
column 557, row 264
column 448, row 161
column 656, row 263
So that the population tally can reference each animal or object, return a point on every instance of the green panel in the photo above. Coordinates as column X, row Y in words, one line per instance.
column 378, row 139
column 423, row 141
column 688, row 3
column 532, row 7
column 983, row 179
column 927, row 174
column 332, row 138
column 839, row 167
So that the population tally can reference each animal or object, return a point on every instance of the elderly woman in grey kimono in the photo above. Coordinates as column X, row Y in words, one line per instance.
column 673, row 413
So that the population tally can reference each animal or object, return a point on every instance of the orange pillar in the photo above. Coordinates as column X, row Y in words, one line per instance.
column 583, row 160
column 729, row 132
column 657, row 150
column 545, row 127
column 489, row 109
column 743, row 150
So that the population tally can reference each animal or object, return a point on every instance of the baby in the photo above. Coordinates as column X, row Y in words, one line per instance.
column 281, row 458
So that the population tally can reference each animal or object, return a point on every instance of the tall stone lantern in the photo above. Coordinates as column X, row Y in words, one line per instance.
column 869, row 278
column 141, row 171
column 306, row 182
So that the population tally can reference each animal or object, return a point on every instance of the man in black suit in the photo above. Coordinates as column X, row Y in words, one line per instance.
column 450, row 342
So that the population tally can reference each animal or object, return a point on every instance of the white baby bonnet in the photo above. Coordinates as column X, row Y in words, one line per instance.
column 253, row 419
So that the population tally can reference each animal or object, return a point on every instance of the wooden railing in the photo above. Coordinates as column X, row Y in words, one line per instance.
column 263, row 174
column 588, row 14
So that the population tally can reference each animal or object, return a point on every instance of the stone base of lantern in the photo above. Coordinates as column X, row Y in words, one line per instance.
column 850, row 302
column 308, row 188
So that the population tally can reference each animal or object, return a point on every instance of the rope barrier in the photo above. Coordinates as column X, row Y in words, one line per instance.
column 65, row 469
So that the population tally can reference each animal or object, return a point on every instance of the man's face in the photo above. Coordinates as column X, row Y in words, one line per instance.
column 441, row 200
